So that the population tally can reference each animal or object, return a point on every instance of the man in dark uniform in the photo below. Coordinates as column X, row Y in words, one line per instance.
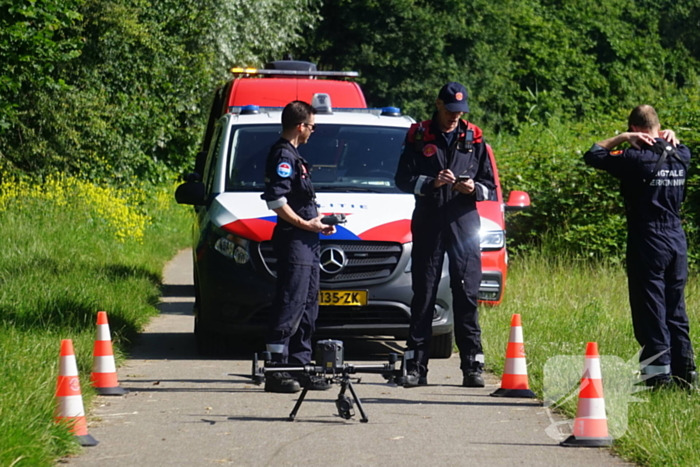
column 290, row 193
column 653, row 174
column 446, row 166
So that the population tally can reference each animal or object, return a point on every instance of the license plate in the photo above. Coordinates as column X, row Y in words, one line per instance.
column 342, row 297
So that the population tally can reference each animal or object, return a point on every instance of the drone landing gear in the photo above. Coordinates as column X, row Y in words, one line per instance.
column 343, row 403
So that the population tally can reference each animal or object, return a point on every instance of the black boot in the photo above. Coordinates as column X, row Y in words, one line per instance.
column 473, row 379
column 415, row 378
column 313, row 382
column 416, row 369
column 660, row 381
column 687, row 380
column 281, row 382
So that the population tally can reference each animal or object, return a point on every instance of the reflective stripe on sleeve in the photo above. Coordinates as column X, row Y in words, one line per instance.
column 419, row 184
column 275, row 348
column 278, row 203
column 656, row 369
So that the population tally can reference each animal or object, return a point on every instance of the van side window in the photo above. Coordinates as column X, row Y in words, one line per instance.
column 249, row 148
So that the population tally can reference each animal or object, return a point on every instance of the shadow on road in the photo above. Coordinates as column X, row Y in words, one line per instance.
column 179, row 345
column 177, row 290
column 183, row 307
column 165, row 346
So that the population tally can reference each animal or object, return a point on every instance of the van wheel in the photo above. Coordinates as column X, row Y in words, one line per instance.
column 442, row 346
column 209, row 344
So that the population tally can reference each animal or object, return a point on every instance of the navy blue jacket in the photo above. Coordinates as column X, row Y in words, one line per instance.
column 288, row 181
column 426, row 152
column 650, row 199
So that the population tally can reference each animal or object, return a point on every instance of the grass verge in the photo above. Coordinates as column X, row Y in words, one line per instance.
column 67, row 250
column 563, row 305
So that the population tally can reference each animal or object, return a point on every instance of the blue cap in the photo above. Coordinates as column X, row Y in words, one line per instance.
column 454, row 96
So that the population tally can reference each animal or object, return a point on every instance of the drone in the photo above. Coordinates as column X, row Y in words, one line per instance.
column 331, row 366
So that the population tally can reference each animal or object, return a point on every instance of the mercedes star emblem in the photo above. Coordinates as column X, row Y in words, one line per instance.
column 332, row 260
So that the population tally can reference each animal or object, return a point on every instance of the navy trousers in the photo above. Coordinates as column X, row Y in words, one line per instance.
column 427, row 259
column 294, row 311
column 657, row 271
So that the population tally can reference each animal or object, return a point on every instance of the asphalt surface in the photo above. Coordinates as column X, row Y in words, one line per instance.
column 183, row 410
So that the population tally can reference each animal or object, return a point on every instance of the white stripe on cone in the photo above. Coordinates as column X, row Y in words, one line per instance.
column 515, row 366
column 593, row 408
column 103, row 333
column 70, row 406
column 516, row 334
column 104, row 364
column 591, row 368
column 67, row 366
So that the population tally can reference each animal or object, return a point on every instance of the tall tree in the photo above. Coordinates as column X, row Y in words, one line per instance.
column 36, row 39
column 137, row 80
column 520, row 60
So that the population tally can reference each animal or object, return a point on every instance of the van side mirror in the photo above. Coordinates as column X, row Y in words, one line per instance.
column 192, row 177
column 190, row 193
column 517, row 201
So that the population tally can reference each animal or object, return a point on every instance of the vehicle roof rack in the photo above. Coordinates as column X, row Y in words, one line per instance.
column 255, row 71
column 291, row 65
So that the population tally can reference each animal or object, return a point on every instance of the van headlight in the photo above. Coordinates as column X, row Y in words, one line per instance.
column 492, row 240
column 233, row 247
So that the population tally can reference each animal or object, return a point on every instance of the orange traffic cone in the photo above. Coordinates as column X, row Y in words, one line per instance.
column 514, row 382
column 591, row 424
column 104, row 370
column 70, row 400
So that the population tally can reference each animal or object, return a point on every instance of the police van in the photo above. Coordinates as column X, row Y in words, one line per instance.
column 365, row 265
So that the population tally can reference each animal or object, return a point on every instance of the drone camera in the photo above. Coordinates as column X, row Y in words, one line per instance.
column 329, row 355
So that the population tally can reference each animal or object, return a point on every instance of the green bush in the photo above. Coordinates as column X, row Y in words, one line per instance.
column 575, row 208
column 119, row 89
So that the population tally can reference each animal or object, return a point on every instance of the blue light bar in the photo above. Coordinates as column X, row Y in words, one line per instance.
column 250, row 110
column 391, row 111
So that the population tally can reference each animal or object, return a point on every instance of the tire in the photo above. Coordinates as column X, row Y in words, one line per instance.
column 442, row 346
column 209, row 344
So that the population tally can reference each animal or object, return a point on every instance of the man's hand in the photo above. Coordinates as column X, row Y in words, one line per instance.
column 670, row 136
column 636, row 139
column 328, row 230
column 315, row 224
column 464, row 186
column 444, row 177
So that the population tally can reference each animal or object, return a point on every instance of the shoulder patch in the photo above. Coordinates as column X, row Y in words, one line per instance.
column 284, row 169
column 616, row 153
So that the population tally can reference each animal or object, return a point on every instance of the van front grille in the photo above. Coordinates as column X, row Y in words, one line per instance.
column 348, row 261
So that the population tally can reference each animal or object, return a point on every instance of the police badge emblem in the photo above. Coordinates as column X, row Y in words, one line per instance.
column 284, row 169
column 429, row 150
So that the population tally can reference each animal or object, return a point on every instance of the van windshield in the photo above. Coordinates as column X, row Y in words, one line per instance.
column 343, row 158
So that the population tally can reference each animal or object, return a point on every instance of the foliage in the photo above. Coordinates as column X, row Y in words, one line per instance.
column 61, row 262
column 119, row 210
column 519, row 59
column 36, row 39
column 577, row 209
column 573, row 207
column 136, row 83
column 563, row 305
